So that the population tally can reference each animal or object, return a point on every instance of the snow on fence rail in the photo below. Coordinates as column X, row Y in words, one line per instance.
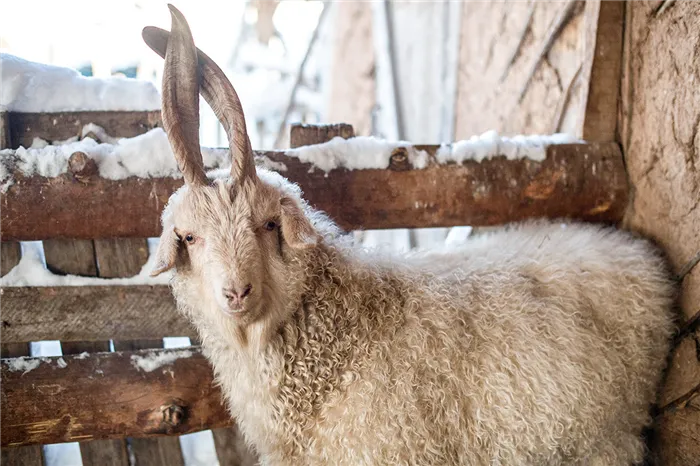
column 414, row 190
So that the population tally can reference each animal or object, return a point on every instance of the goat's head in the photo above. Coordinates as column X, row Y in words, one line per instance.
column 235, row 239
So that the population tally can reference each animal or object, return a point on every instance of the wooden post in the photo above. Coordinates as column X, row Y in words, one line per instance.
column 125, row 257
column 10, row 254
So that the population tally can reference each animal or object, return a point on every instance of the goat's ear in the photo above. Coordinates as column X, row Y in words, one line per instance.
column 166, row 255
column 296, row 228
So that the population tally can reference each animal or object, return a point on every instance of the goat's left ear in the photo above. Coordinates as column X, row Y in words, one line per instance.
column 297, row 231
column 166, row 255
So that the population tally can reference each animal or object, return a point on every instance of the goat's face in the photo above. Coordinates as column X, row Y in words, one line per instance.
column 233, row 241
column 238, row 245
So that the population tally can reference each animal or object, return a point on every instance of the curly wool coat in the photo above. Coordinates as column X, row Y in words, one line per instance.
column 542, row 344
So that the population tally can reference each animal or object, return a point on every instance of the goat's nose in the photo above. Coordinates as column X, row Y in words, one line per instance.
column 237, row 294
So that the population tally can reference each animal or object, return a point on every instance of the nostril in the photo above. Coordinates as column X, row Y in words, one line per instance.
column 246, row 291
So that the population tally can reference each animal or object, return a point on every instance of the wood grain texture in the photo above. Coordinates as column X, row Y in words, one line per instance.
column 10, row 254
column 67, row 256
column 108, row 396
column 90, row 313
column 24, row 127
column 305, row 135
column 120, row 257
column 661, row 141
column 31, row 455
column 602, row 67
column 580, row 181
column 231, row 449
column 159, row 451
column 77, row 257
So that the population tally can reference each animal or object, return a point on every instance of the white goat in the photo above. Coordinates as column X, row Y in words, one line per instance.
column 538, row 345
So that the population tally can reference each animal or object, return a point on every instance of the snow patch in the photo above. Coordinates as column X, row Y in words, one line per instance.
column 61, row 363
column 35, row 87
column 490, row 144
column 361, row 152
column 82, row 355
column 23, row 364
column 155, row 360
column 148, row 155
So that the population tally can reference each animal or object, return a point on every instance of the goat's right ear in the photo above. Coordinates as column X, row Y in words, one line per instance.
column 166, row 255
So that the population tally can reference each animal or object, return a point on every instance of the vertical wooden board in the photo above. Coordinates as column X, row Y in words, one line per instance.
column 20, row 456
column 601, row 69
column 10, row 255
column 231, row 448
column 77, row 257
column 353, row 84
column 124, row 257
column 120, row 257
column 500, row 42
column 74, row 257
column 161, row 451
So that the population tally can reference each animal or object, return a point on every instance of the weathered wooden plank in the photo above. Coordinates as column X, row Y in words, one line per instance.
column 120, row 257
column 160, row 451
column 231, row 449
column 31, row 455
column 581, row 181
column 10, row 254
column 108, row 395
column 78, row 313
column 306, row 135
column 602, row 67
column 77, row 257
column 24, row 127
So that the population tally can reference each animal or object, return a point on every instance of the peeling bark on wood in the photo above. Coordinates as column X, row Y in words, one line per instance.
column 109, row 396
column 24, row 127
column 75, row 313
column 581, row 181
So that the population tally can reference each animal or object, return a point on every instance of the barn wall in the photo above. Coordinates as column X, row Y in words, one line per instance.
column 659, row 124
column 488, row 96
column 352, row 94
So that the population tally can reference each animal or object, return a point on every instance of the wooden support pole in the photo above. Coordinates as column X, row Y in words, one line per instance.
column 139, row 394
column 580, row 181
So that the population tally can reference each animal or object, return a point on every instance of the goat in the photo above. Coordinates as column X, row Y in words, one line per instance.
column 541, row 344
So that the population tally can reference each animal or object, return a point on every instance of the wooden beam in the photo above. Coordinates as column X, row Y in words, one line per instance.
column 145, row 393
column 602, row 68
column 78, row 313
column 580, row 181
column 24, row 127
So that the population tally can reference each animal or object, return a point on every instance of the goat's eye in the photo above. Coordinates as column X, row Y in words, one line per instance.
column 269, row 226
column 190, row 239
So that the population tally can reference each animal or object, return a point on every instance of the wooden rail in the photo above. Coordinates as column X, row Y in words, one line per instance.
column 94, row 396
column 82, row 313
column 580, row 181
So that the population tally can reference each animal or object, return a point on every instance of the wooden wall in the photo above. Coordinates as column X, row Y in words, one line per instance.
column 659, row 125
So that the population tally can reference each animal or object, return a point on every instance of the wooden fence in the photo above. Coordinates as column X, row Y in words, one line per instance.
column 96, row 227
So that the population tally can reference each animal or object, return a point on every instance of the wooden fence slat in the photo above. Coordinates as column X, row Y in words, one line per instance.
column 108, row 395
column 124, row 257
column 24, row 127
column 580, row 181
column 75, row 313
column 231, row 449
column 602, row 68
column 77, row 257
column 31, row 455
